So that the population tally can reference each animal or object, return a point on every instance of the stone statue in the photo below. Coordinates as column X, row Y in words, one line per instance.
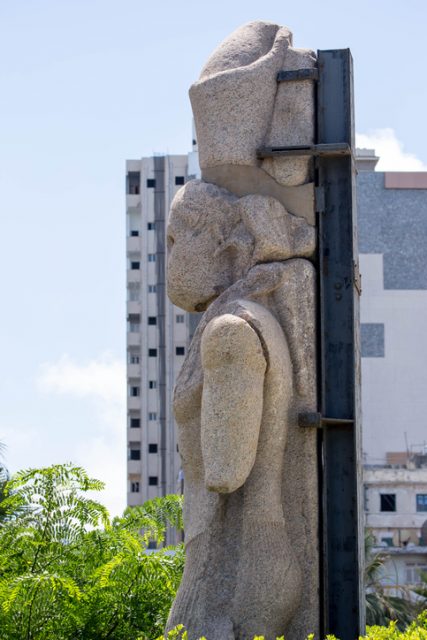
column 240, row 243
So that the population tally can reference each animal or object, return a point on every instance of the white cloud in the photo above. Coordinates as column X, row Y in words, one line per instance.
column 392, row 156
column 102, row 447
column 103, row 378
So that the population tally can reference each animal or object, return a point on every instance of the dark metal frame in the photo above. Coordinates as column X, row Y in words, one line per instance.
column 342, row 590
column 339, row 351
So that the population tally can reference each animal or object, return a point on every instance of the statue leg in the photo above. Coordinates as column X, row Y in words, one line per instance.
column 204, row 600
column 268, row 587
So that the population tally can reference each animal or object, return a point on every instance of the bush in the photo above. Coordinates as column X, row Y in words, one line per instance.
column 417, row 630
column 68, row 572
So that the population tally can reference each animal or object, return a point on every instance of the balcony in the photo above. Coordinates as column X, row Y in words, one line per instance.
column 134, row 370
column 133, row 275
column 132, row 200
column 133, row 244
column 133, row 306
column 134, row 499
column 134, row 467
column 133, row 339
column 134, row 403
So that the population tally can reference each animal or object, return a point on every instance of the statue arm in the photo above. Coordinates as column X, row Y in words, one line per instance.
column 234, row 367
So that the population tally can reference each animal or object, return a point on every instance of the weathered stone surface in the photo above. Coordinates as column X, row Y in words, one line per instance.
column 245, row 180
column 292, row 122
column 240, row 244
column 234, row 367
column 239, row 107
column 234, row 98
column 250, row 369
column 219, row 236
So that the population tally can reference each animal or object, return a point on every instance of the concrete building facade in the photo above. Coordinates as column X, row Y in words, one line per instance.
column 396, row 505
column 156, row 329
column 392, row 210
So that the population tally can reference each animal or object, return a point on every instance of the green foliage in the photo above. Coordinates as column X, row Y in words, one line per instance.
column 68, row 572
column 417, row 630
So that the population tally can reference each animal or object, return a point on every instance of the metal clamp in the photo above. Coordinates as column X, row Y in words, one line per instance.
column 316, row 150
column 315, row 420
column 298, row 74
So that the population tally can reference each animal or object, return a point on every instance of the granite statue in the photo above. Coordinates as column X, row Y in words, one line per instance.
column 240, row 246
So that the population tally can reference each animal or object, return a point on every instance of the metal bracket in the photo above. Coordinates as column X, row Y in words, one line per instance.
column 315, row 420
column 298, row 74
column 314, row 150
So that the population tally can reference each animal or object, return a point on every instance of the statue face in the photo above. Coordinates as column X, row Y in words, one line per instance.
column 198, row 271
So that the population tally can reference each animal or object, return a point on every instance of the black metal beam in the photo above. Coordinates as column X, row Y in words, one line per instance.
column 298, row 74
column 343, row 606
column 315, row 150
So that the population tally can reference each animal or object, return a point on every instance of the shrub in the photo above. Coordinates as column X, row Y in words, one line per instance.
column 68, row 572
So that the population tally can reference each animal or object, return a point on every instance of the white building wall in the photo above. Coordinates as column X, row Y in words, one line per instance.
column 145, row 475
column 394, row 398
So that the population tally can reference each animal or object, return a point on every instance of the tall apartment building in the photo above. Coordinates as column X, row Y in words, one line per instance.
column 158, row 333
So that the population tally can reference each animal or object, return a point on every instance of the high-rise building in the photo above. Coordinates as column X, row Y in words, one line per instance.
column 158, row 333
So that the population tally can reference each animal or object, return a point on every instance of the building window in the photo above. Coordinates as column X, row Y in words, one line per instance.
column 388, row 502
column 179, row 318
column 152, row 448
column 135, row 265
column 134, row 358
column 134, row 233
column 134, row 487
column 152, row 288
column 134, row 392
column 152, row 384
column 179, row 180
column 421, row 501
column 387, row 541
column 135, row 423
column 133, row 183
column 151, row 183
column 134, row 322
column 134, row 453
column 414, row 573
column 152, row 353
column 151, row 257
column 152, row 415
column 153, row 481
column 152, row 320
column 152, row 544
column 133, row 294
column 180, row 351
column 151, row 226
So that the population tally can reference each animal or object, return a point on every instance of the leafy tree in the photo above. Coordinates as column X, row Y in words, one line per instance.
column 68, row 572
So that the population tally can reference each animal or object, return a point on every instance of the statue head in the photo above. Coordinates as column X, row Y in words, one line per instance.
column 214, row 238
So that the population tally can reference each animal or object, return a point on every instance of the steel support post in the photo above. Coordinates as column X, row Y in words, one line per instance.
column 342, row 563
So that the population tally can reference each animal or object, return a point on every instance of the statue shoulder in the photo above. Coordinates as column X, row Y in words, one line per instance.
column 229, row 338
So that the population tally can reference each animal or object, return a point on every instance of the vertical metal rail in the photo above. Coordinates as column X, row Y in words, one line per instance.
column 343, row 607
column 159, row 218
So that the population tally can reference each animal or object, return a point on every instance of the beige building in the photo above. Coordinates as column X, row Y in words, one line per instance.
column 158, row 333
column 396, row 504
column 396, row 515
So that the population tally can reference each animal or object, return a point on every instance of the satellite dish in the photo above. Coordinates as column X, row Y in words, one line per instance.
column 424, row 533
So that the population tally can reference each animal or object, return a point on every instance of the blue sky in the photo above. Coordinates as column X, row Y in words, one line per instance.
column 85, row 85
